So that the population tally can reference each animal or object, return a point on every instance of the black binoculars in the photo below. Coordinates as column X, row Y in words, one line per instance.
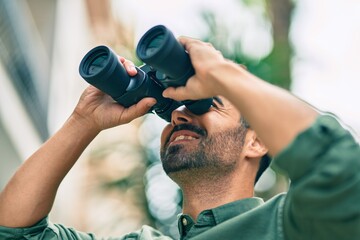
column 167, row 64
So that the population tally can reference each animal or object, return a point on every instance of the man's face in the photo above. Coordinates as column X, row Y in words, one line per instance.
column 212, row 140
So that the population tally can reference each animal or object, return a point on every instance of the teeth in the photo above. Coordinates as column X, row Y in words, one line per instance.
column 181, row 137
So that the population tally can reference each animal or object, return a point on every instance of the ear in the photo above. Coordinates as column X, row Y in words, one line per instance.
column 254, row 147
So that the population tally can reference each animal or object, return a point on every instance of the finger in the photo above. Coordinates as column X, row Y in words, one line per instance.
column 186, row 41
column 92, row 88
column 243, row 66
column 138, row 109
column 183, row 39
column 122, row 59
column 129, row 66
column 91, row 91
column 178, row 93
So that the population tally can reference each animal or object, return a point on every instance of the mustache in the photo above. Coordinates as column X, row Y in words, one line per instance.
column 198, row 130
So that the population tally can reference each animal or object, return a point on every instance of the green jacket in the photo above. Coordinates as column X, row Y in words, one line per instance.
column 323, row 201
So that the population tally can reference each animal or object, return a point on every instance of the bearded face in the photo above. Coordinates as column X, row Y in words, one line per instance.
column 190, row 147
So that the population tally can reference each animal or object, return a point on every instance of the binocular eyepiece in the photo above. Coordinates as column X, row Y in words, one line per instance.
column 166, row 65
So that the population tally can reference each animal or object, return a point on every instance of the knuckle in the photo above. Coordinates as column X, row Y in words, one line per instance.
column 209, row 44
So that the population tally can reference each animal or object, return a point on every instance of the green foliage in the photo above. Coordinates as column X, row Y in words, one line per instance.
column 274, row 68
column 254, row 2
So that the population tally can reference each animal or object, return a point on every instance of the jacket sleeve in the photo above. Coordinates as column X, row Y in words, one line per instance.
column 323, row 164
column 43, row 230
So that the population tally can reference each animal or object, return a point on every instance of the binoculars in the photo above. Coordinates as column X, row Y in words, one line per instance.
column 166, row 64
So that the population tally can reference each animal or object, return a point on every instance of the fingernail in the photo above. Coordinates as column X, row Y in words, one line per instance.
column 132, row 68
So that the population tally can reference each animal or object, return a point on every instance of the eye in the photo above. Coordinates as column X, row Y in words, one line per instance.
column 214, row 105
column 216, row 102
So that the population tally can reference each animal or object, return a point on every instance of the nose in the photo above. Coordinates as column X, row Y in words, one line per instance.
column 181, row 115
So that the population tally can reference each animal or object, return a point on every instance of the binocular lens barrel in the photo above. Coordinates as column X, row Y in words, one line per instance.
column 100, row 67
column 159, row 48
column 97, row 64
column 154, row 44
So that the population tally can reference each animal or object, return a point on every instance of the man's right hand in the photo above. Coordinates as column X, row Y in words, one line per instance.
column 102, row 112
column 28, row 197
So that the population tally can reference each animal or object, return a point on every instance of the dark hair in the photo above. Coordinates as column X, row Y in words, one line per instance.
column 264, row 164
column 265, row 160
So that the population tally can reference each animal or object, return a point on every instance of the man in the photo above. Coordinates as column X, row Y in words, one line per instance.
column 214, row 159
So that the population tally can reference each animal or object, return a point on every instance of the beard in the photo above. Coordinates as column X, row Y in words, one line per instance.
column 219, row 151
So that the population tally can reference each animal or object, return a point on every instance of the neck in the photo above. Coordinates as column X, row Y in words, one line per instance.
column 202, row 191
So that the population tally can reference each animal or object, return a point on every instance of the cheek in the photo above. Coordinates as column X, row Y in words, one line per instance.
column 215, row 121
column 165, row 134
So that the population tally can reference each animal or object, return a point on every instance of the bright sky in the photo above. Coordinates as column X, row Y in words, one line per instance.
column 326, row 72
column 325, row 33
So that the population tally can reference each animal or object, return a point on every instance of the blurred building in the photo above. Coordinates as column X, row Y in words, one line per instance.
column 41, row 45
column 26, row 42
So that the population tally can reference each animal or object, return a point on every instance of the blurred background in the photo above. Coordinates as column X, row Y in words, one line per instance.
column 309, row 47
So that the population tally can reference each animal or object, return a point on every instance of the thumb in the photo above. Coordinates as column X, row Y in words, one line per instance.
column 138, row 110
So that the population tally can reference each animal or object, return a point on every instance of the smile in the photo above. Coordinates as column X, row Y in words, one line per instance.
column 182, row 136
